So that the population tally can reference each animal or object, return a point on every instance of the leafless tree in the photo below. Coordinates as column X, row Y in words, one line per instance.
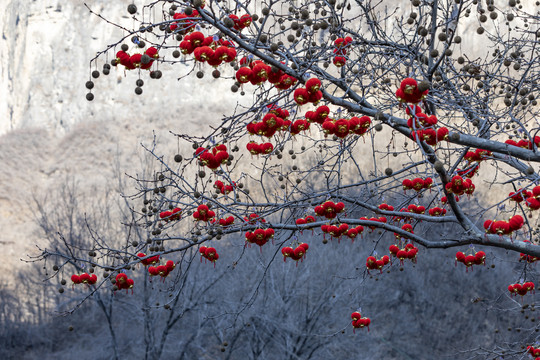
column 414, row 112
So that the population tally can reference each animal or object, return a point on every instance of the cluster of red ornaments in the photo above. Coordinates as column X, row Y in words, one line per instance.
column 296, row 254
column 460, row 186
column 259, row 149
column 359, row 322
column 478, row 258
column 534, row 352
column 341, row 44
column 469, row 171
column 501, row 227
column 531, row 197
column 213, row 158
column 319, row 115
column 423, row 126
column 259, row 236
column 308, row 219
column 185, row 23
column 135, row 61
column 437, row 211
column 271, row 122
column 329, row 209
column 417, row 184
column 408, row 252
column 241, row 22
column 415, row 209
column 526, row 144
column 123, row 282
column 336, row 231
column 478, row 155
column 224, row 222
column 522, row 194
column 162, row 270
column 208, row 49
column 343, row 127
column 407, row 228
column 254, row 218
column 372, row 263
column 419, row 120
column 521, row 289
column 224, row 189
column 203, row 213
column 431, row 136
column 298, row 126
column 84, row 278
column 152, row 260
column 209, row 253
column 175, row 214
column 309, row 94
column 257, row 72
column 386, row 207
column 408, row 92
column 528, row 258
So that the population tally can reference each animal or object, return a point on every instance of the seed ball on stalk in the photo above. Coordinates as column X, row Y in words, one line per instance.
column 424, row 85
column 228, row 22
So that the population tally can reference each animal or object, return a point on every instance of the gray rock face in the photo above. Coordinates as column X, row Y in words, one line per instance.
column 47, row 47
